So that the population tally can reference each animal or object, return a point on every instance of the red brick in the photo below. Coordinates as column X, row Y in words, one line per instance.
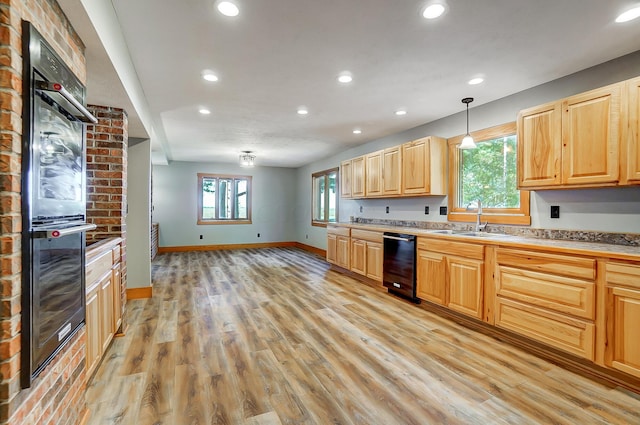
column 10, row 347
column 10, row 285
column 10, row 183
column 9, row 163
column 10, row 368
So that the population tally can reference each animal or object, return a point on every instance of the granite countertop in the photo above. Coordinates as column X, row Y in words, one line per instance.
column 599, row 249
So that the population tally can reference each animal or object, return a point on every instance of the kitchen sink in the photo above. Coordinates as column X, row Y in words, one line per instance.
column 469, row 233
column 450, row 232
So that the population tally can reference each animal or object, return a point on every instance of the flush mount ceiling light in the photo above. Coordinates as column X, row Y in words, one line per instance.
column 401, row 112
column 629, row 15
column 228, row 8
column 204, row 111
column 208, row 75
column 467, row 141
column 477, row 80
column 302, row 111
column 357, row 131
column 345, row 77
column 247, row 159
column 433, row 10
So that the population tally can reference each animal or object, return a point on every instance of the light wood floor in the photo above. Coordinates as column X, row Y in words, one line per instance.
column 272, row 336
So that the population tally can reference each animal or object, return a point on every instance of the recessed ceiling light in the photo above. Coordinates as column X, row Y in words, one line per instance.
column 433, row 11
column 345, row 77
column 476, row 80
column 401, row 112
column 357, row 131
column 228, row 8
column 204, row 111
column 629, row 15
column 209, row 75
column 302, row 111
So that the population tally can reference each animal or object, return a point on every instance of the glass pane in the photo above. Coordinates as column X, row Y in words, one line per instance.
column 318, row 198
column 208, row 199
column 242, row 196
column 224, row 197
column 489, row 174
column 333, row 196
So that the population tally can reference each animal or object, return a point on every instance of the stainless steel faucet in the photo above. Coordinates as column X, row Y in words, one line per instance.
column 479, row 226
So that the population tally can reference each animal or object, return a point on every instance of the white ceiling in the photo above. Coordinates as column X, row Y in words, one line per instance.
column 280, row 54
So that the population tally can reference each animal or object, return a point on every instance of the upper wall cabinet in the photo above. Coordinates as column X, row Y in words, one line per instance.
column 574, row 142
column 345, row 179
column 357, row 177
column 423, row 167
column 392, row 171
column 373, row 173
column 631, row 135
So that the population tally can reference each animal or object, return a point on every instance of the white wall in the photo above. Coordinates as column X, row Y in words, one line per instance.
column 175, row 205
column 611, row 210
column 139, row 216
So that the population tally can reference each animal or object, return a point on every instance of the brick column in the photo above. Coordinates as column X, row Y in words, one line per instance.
column 107, row 180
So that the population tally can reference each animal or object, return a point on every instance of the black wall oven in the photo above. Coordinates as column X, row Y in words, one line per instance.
column 53, row 204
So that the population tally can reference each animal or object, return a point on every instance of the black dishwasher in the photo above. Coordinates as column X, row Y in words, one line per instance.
column 399, row 267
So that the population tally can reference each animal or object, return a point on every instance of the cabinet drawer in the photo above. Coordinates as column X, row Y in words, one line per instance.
column 461, row 249
column 623, row 274
column 573, row 335
column 98, row 267
column 583, row 268
column 340, row 231
column 366, row 235
column 559, row 293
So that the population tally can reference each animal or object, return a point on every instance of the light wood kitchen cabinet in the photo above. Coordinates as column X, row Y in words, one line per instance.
column 367, row 253
column 547, row 297
column 573, row 142
column 623, row 317
column 94, row 333
column 106, row 310
column 345, row 179
column 392, row 171
column 423, row 167
column 358, row 177
column 373, row 173
column 631, row 135
column 338, row 246
column 451, row 274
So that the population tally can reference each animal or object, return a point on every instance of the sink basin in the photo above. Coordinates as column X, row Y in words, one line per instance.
column 484, row 234
column 450, row 232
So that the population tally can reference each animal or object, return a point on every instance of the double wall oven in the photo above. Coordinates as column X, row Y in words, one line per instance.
column 53, row 204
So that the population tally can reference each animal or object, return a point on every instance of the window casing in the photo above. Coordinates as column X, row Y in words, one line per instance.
column 224, row 199
column 325, row 195
column 487, row 173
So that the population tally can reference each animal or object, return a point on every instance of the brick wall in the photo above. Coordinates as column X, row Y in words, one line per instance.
column 107, row 180
column 57, row 395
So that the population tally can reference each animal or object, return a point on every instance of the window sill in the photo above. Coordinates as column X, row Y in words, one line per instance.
column 491, row 218
column 207, row 222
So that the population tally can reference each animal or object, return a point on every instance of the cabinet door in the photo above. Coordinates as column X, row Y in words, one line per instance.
column 357, row 177
column 623, row 317
column 375, row 260
column 465, row 285
column 332, row 249
column 540, row 146
column 117, row 297
column 94, row 339
column 631, row 139
column 391, row 171
column 431, row 278
column 345, row 179
column 415, row 175
column 373, row 185
column 591, row 137
column 342, row 250
column 106, row 311
column 358, row 256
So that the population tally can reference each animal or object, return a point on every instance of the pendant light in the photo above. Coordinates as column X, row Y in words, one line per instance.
column 467, row 141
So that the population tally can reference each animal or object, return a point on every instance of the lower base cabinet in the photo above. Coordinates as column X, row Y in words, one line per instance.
column 338, row 246
column 367, row 253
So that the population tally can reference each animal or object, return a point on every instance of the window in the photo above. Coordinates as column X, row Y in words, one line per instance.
column 224, row 199
column 489, row 174
column 325, row 197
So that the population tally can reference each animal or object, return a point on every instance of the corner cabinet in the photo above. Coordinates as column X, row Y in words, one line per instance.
column 424, row 166
column 451, row 274
column 573, row 142
column 622, row 350
column 104, row 299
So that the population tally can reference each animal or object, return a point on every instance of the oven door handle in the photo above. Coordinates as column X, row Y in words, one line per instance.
column 58, row 233
column 85, row 116
column 395, row 238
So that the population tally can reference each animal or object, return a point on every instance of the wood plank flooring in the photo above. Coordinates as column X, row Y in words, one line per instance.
column 273, row 336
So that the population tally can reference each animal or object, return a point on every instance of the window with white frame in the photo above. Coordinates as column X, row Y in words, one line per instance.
column 224, row 199
column 325, row 197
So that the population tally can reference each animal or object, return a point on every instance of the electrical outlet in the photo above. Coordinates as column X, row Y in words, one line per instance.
column 200, row 236
column 426, row 209
column 258, row 234
column 555, row 211
column 443, row 210
column 387, row 209
column 306, row 236
column 360, row 208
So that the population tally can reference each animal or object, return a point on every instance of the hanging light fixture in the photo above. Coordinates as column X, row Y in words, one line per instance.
column 247, row 159
column 467, row 141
